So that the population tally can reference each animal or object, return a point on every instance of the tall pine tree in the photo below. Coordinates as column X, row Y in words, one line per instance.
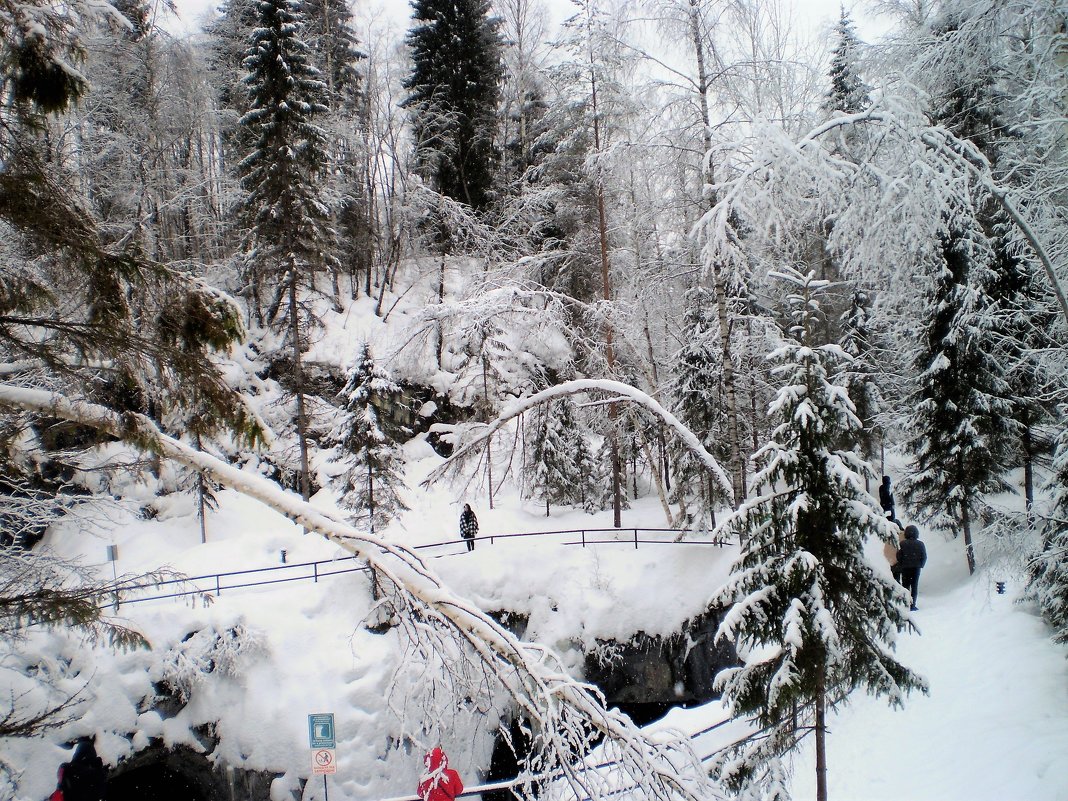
column 455, row 88
column 810, row 616
column 291, row 240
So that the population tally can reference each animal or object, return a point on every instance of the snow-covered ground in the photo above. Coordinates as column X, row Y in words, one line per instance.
column 995, row 725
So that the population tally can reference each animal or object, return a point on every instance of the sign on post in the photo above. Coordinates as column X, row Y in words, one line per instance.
column 323, row 762
column 321, row 739
column 321, row 731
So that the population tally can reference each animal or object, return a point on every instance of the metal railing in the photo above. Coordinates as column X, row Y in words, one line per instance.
column 213, row 584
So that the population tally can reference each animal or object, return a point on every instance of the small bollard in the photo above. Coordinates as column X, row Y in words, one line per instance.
column 1001, row 588
column 283, row 556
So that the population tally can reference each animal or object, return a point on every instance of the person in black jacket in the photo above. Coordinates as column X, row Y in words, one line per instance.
column 84, row 777
column 468, row 526
column 911, row 557
column 886, row 498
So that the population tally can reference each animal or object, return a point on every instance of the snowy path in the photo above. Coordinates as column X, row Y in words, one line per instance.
column 995, row 725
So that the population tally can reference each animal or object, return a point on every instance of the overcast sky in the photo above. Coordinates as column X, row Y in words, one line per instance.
column 819, row 14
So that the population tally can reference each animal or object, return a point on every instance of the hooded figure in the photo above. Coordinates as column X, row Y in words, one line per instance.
column 439, row 782
column 84, row 777
column 886, row 498
column 911, row 557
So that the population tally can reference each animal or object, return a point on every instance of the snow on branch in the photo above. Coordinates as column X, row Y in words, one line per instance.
column 620, row 391
column 566, row 715
column 887, row 198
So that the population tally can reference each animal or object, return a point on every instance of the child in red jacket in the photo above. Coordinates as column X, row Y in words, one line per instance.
column 440, row 782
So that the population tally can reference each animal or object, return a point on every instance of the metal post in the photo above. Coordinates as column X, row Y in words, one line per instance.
column 315, row 575
column 583, row 538
column 326, row 792
column 635, row 539
column 218, row 586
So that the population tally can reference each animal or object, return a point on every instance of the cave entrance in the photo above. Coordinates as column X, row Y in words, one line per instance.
column 157, row 781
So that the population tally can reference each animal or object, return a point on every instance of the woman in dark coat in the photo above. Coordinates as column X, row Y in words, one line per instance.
column 468, row 526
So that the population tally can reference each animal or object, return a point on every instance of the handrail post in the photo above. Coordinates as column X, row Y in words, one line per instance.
column 635, row 539
column 218, row 586
column 315, row 572
column 583, row 538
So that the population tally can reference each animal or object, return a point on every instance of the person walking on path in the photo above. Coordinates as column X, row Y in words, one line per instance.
column 468, row 526
column 886, row 498
column 84, row 778
column 439, row 781
column 911, row 557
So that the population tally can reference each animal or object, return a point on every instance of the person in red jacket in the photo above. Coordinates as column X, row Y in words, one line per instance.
column 440, row 782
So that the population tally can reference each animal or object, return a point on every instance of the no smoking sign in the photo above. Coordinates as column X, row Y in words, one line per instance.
column 323, row 761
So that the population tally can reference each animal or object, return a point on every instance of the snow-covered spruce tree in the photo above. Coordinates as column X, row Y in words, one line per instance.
column 961, row 424
column 559, row 456
column 860, row 374
column 809, row 614
column 848, row 93
column 336, row 52
column 454, row 90
column 1049, row 568
column 697, row 390
column 969, row 77
column 371, row 483
column 290, row 238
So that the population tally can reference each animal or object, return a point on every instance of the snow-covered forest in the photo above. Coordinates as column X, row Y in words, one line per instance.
column 696, row 265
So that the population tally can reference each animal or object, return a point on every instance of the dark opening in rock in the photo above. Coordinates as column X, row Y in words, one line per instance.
column 156, row 781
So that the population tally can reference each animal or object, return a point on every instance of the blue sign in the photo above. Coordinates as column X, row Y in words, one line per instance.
column 321, row 731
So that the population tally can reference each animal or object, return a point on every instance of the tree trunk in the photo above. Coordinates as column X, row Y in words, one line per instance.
column 966, row 527
column 370, row 496
column 441, row 299
column 298, row 378
column 737, row 470
column 606, row 287
column 1028, row 448
column 489, row 442
column 734, row 436
column 202, row 506
column 821, row 738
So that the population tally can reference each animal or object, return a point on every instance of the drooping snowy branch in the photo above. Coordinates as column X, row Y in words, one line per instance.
column 565, row 713
column 619, row 391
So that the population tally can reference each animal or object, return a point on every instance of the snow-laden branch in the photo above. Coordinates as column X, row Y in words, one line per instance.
column 619, row 391
column 566, row 709
column 957, row 154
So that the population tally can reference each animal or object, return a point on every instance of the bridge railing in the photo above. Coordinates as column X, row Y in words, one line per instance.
column 214, row 584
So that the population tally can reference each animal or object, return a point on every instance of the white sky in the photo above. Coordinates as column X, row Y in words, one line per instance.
column 817, row 14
